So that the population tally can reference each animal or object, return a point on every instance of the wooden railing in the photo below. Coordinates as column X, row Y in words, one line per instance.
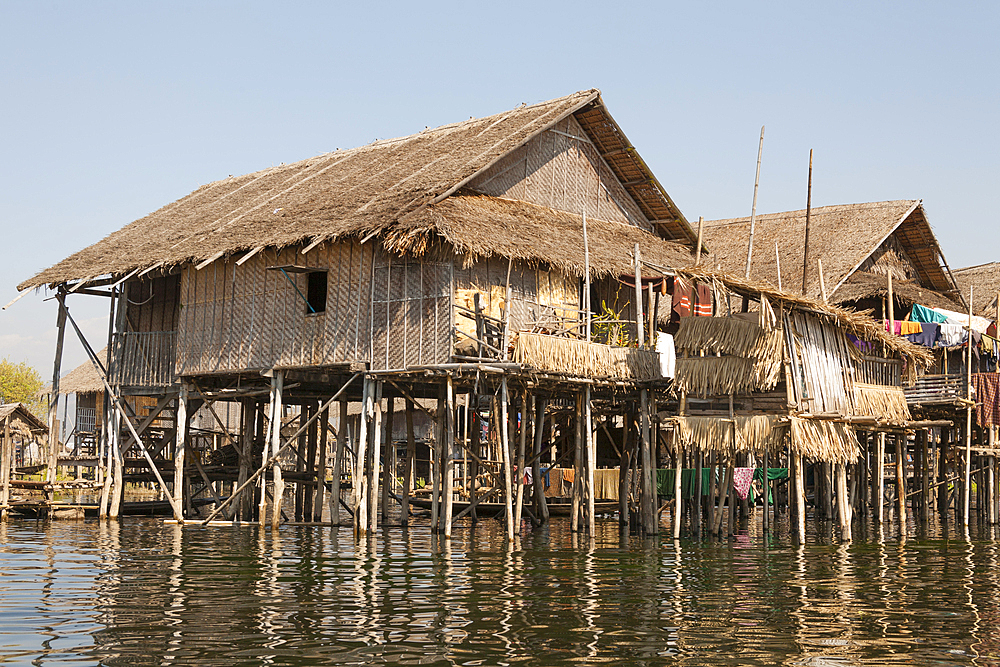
column 876, row 370
column 143, row 359
column 931, row 389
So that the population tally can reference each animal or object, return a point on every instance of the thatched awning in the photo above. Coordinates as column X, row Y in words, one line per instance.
column 484, row 226
column 985, row 282
column 84, row 378
column 22, row 420
column 357, row 192
column 864, row 285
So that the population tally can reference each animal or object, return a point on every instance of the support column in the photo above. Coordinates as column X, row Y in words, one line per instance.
column 843, row 502
column 880, row 480
column 117, row 465
column 449, row 454
column 338, row 465
column 538, row 481
column 374, row 459
column 967, row 485
column 388, row 459
column 590, row 461
column 277, row 386
column 180, row 446
column 678, row 473
column 521, row 444
column 578, row 465
column 650, row 524
column 359, row 481
column 324, row 432
column 435, row 464
column 901, row 481
column 505, row 446
column 6, row 450
column 411, row 454
column 54, row 402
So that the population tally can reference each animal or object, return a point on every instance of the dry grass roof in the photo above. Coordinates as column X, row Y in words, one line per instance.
column 985, row 282
column 22, row 419
column 865, row 285
column 484, row 226
column 842, row 236
column 357, row 192
column 854, row 322
column 84, row 378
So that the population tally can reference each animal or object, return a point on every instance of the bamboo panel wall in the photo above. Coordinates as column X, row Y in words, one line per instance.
column 821, row 365
column 563, row 170
column 247, row 317
column 411, row 312
column 153, row 303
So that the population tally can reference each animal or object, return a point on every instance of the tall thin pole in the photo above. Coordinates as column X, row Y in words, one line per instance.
column 701, row 233
column 753, row 210
column 586, row 274
column 777, row 263
column 968, row 419
column 638, row 298
column 809, row 197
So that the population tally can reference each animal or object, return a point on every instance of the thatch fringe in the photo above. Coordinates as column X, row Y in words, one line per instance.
column 754, row 434
column 578, row 357
column 708, row 376
column 755, row 364
column 725, row 335
column 873, row 400
column 821, row 440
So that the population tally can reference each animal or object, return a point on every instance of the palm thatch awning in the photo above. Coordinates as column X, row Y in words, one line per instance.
column 842, row 236
column 22, row 420
column 358, row 192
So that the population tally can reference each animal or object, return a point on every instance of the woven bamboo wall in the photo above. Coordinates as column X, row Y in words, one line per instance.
column 563, row 170
column 248, row 317
column 821, row 364
column 541, row 298
column 152, row 303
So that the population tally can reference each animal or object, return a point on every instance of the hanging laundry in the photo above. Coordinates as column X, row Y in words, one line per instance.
column 927, row 336
column 987, row 388
column 952, row 334
column 923, row 314
column 895, row 326
column 681, row 298
column 980, row 324
column 906, row 328
column 742, row 479
column 703, row 300
column 668, row 356
column 862, row 345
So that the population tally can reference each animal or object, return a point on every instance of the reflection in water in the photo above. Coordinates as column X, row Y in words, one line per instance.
column 141, row 592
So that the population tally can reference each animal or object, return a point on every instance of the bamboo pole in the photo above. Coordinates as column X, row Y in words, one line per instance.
column 521, row 444
column 538, row 484
column 590, row 461
column 578, row 465
column 53, row 447
column 765, row 487
column 650, row 523
column 640, row 329
column 388, row 469
column 701, row 230
column 698, row 491
column 805, row 247
column 880, row 480
column 449, row 454
column 966, row 489
column 359, row 481
column 5, row 466
column 338, row 465
column 180, row 440
column 411, row 454
column 753, row 210
column 435, row 465
column 843, row 503
column 321, row 466
column 277, row 384
column 505, row 446
column 679, row 470
column 901, row 482
column 375, row 450
column 777, row 263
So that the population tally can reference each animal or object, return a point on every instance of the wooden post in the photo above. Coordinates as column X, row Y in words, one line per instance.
column 54, row 402
column 648, row 494
column 538, row 481
column 698, row 492
column 505, row 457
column 6, row 450
column 375, row 450
column 800, row 500
column 991, row 490
column 590, row 460
column 359, row 481
column 521, row 443
column 624, row 463
column 338, row 465
column 765, row 488
column 411, row 454
column 701, row 228
column 805, row 248
column 880, row 480
column 901, row 482
column 324, row 434
column 449, row 454
column 277, row 386
column 435, row 463
column 843, row 503
column 678, row 490
column 925, row 484
column 388, row 457
column 578, row 464
column 640, row 329
column 180, row 440
column 753, row 210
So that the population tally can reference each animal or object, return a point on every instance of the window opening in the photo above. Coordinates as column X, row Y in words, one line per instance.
column 316, row 292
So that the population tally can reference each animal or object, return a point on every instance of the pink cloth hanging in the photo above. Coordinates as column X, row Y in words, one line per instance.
column 742, row 479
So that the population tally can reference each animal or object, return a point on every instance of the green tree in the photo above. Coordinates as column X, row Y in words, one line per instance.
column 21, row 383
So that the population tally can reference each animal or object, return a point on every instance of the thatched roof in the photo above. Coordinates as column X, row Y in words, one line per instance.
column 985, row 282
column 484, row 226
column 358, row 192
column 864, row 285
column 842, row 236
column 859, row 324
column 84, row 378
column 23, row 420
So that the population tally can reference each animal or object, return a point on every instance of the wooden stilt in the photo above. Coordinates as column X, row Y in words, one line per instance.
column 53, row 449
column 359, row 480
column 388, row 469
column 843, row 502
column 901, row 482
column 435, row 464
column 338, row 465
column 799, row 499
column 321, row 468
column 648, row 494
column 449, row 455
column 277, row 386
column 879, row 470
column 411, row 453
column 6, row 451
column 966, row 478
column 374, row 459
column 521, row 443
column 590, row 461
column 577, row 494
column 117, row 466
column 180, row 440
column 505, row 457
column 678, row 473
column 538, row 482
column 765, row 520
column 698, row 492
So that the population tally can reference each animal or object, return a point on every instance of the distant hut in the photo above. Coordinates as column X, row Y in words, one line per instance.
column 21, row 433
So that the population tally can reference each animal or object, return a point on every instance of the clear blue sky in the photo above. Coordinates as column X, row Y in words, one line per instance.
column 112, row 110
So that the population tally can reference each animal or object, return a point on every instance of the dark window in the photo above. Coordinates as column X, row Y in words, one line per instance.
column 316, row 292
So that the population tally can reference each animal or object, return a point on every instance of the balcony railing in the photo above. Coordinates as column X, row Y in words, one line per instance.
column 143, row 359
column 932, row 389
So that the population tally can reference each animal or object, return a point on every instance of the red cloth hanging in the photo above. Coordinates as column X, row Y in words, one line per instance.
column 703, row 301
column 682, row 298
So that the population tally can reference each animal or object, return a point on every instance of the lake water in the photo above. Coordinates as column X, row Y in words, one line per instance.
column 147, row 593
